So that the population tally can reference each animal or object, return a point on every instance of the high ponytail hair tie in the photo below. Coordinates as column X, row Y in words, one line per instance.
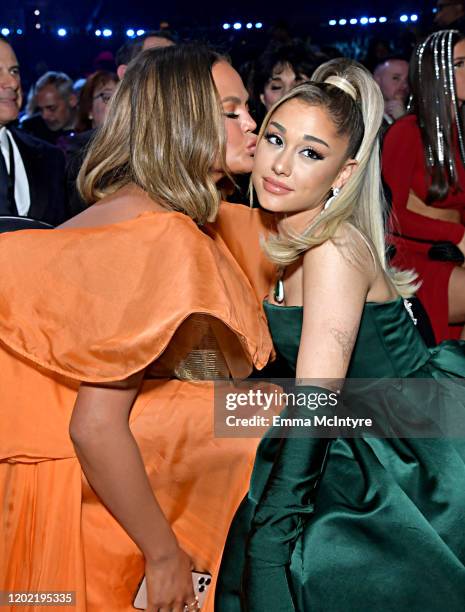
column 343, row 84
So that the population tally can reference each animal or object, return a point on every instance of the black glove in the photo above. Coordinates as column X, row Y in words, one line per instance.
column 446, row 251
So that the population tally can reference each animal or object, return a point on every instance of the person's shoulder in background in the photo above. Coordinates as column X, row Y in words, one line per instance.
column 37, row 127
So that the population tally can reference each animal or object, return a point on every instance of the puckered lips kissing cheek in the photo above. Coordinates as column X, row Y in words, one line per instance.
column 251, row 145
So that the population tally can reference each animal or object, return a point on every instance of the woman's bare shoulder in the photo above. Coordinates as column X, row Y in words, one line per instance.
column 125, row 204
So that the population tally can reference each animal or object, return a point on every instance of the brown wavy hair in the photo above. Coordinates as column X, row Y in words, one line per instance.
column 93, row 82
column 164, row 132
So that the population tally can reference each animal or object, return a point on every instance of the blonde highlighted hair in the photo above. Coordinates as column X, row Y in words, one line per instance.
column 361, row 202
column 164, row 132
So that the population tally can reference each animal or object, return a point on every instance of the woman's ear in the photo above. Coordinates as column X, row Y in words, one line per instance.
column 346, row 172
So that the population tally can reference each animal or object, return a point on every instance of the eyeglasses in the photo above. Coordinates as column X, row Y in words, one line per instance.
column 104, row 95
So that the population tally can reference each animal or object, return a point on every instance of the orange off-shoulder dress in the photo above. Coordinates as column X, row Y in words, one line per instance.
column 98, row 304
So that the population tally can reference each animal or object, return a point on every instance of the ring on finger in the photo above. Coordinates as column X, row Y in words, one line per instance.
column 192, row 605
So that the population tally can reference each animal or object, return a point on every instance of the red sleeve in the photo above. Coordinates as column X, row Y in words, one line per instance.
column 402, row 151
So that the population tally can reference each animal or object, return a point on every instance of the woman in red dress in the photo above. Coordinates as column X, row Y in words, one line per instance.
column 424, row 166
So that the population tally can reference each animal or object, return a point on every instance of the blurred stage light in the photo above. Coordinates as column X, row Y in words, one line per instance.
column 62, row 32
column 107, row 32
column 413, row 17
column 403, row 18
column 332, row 22
column 5, row 31
column 249, row 26
column 37, row 12
column 98, row 32
column 382, row 19
column 237, row 25
column 342, row 21
column 259, row 25
column 353, row 21
column 140, row 32
column 372, row 20
column 19, row 31
column 364, row 20
column 226, row 26
column 130, row 33
column 38, row 26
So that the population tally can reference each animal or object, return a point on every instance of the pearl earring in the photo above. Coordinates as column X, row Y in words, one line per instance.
column 334, row 193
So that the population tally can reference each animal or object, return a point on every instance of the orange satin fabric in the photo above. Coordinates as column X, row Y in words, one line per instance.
column 98, row 304
column 242, row 229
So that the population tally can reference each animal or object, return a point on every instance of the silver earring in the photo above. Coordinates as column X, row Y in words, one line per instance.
column 334, row 193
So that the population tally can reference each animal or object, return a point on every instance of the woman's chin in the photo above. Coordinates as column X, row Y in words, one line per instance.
column 217, row 175
column 271, row 204
column 238, row 169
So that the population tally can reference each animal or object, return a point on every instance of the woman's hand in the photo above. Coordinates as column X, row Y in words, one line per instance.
column 113, row 465
column 395, row 108
column 169, row 583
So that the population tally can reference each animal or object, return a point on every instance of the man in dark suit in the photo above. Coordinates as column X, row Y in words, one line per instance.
column 32, row 172
column 56, row 104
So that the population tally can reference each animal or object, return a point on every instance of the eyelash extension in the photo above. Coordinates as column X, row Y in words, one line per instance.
column 315, row 154
column 231, row 115
column 268, row 135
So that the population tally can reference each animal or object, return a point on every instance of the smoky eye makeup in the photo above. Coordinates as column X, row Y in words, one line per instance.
column 311, row 153
column 273, row 138
column 276, row 139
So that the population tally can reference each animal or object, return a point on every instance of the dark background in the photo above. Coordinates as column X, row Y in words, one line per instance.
column 40, row 50
column 118, row 13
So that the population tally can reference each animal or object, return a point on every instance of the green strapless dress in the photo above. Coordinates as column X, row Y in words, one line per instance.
column 354, row 525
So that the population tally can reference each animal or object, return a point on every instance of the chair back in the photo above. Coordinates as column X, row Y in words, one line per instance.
column 13, row 224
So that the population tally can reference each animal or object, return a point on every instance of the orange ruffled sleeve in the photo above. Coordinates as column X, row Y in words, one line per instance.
column 99, row 304
column 242, row 229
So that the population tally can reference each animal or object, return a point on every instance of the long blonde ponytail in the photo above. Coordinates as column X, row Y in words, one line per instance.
column 356, row 110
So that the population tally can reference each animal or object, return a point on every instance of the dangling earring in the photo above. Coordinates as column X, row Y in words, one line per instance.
column 334, row 193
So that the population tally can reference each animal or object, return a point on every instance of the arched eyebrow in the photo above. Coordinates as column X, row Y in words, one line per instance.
column 282, row 129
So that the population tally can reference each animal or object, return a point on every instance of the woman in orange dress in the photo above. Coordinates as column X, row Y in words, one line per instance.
column 111, row 330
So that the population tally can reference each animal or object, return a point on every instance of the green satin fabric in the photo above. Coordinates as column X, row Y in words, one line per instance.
column 354, row 525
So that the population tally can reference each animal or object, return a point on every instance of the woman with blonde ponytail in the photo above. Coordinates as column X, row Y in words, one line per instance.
column 346, row 515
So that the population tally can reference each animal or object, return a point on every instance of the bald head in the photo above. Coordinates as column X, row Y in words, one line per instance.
column 10, row 84
column 392, row 78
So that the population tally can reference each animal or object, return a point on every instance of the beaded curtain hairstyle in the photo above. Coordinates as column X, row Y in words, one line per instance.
column 434, row 102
